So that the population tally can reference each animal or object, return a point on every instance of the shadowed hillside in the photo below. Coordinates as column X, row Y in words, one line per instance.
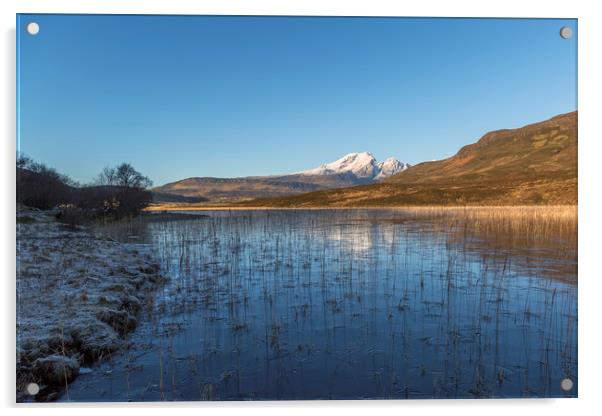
column 118, row 192
column 535, row 164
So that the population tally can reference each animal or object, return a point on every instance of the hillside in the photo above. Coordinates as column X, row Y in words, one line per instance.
column 543, row 150
column 350, row 170
column 535, row 164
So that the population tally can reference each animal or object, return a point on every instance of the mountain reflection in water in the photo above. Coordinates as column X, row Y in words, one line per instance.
column 345, row 304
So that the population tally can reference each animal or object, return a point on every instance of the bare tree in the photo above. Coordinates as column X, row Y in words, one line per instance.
column 123, row 175
column 106, row 177
column 23, row 161
column 122, row 191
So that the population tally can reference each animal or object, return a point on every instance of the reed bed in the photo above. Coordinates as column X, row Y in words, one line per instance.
column 395, row 303
column 532, row 220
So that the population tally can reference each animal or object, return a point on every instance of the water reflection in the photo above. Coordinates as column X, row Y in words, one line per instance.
column 350, row 304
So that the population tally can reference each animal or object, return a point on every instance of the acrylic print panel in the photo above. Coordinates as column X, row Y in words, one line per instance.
column 267, row 208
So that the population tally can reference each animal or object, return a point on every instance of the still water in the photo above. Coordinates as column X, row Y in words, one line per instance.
column 348, row 304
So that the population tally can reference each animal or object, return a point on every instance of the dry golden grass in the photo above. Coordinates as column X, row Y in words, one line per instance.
column 524, row 225
column 523, row 212
column 515, row 214
column 526, row 222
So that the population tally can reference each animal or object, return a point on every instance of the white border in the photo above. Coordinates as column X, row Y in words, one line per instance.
column 590, row 151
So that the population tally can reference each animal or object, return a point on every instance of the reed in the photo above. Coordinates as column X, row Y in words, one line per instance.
column 388, row 303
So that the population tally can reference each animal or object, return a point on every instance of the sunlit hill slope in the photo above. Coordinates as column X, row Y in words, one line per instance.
column 535, row 164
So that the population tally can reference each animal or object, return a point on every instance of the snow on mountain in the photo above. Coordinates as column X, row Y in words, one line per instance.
column 350, row 170
column 390, row 166
column 363, row 165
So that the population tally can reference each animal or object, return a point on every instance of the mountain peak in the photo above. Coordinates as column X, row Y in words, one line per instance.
column 389, row 167
column 359, row 168
column 363, row 165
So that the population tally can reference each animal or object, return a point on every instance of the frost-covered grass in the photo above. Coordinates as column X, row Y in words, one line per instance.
column 77, row 297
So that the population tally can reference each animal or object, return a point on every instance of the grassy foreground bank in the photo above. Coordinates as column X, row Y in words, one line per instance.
column 77, row 297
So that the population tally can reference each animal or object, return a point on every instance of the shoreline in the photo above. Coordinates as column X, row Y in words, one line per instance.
column 172, row 208
column 94, row 290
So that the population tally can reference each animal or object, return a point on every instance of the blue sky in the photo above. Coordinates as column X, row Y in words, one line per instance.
column 182, row 96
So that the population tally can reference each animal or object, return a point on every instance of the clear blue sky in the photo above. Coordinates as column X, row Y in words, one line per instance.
column 182, row 96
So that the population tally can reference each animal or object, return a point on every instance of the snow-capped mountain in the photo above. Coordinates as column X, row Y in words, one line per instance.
column 350, row 170
column 363, row 165
column 389, row 167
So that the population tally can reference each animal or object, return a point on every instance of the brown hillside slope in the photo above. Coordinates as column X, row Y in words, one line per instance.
column 535, row 164
column 546, row 150
column 228, row 190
